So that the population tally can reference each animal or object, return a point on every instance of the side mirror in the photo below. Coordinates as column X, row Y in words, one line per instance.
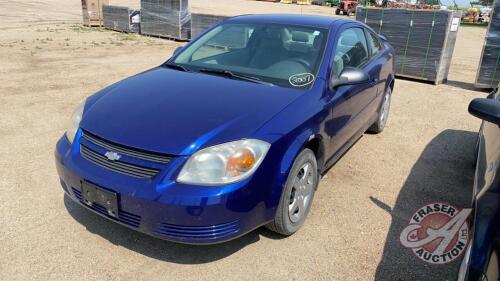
column 177, row 51
column 349, row 76
column 486, row 109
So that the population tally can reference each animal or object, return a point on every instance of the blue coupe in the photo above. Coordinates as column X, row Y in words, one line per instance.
column 231, row 133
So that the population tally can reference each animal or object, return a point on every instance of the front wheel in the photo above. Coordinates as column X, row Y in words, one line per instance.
column 337, row 11
column 383, row 113
column 297, row 196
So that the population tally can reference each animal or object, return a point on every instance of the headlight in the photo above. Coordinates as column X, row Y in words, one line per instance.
column 224, row 163
column 75, row 122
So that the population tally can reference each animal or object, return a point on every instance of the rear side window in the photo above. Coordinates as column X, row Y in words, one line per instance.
column 351, row 50
column 373, row 43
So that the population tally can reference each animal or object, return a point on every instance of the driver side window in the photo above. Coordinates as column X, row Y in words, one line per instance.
column 351, row 50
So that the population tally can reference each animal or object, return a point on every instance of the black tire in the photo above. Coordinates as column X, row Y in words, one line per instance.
column 283, row 221
column 383, row 113
column 337, row 11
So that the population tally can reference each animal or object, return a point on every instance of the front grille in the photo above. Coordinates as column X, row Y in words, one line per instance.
column 197, row 232
column 123, row 217
column 117, row 166
column 132, row 152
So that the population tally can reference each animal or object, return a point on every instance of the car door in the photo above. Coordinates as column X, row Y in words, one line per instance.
column 487, row 201
column 349, row 102
column 378, row 59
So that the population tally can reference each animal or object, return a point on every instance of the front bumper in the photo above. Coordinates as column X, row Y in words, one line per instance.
column 163, row 208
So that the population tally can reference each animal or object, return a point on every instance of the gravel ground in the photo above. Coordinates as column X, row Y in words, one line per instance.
column 48, row 64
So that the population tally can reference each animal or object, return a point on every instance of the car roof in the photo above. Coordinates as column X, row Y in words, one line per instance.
column 293, row 19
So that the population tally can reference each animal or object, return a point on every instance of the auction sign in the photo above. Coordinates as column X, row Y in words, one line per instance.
column 438, row 233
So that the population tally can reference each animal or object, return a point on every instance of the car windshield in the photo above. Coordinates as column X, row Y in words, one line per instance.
column 278, row 54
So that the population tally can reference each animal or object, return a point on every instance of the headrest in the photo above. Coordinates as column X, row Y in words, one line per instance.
column 318, row 40
column 272, row 34
column 299, row 36
column 348, row 40
column 299, row 47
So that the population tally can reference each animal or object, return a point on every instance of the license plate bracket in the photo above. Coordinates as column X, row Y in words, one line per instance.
column 93, row 194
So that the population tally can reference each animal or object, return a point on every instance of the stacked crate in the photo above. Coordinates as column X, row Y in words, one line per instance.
column 423, row 39
column 92, row 12
column 201, row 22
column 121, row 18
column 166, row 18
column 488, row 73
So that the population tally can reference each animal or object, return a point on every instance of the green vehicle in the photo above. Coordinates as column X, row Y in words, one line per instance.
column 331, row 3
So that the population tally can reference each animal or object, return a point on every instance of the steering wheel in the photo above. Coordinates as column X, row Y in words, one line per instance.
column 346, row 58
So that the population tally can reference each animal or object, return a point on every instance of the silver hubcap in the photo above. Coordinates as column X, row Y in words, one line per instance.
column 385, row 108
column 300, row 196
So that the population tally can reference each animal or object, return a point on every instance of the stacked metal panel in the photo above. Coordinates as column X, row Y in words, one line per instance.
column 166, row 18
column 488, row 73
column 201, row 22
column 121, row 18
column 423, row 39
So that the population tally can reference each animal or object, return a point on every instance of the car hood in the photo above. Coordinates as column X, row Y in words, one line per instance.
column 175, row 112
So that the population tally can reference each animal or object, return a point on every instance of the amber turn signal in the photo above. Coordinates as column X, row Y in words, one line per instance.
column 240, row 162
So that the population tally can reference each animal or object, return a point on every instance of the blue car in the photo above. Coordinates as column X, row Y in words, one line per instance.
column 231, row 133
column 482, row 259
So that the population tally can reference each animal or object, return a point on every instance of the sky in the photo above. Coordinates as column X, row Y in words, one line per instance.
column 460, row 3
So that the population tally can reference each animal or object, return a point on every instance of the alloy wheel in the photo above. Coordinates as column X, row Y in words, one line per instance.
column 384, row 114
column 301, row 192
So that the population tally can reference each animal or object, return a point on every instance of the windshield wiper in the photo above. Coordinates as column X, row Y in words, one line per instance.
column 175, row 66
column 229, row 74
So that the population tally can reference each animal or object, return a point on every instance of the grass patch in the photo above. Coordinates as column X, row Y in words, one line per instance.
column 82, row 29
column 477, row 25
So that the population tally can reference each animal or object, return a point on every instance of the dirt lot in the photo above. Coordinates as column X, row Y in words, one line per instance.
column 48, row 64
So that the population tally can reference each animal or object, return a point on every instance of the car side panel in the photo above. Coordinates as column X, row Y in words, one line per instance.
column 311, row 116
column 355, row 105
column 486, row 235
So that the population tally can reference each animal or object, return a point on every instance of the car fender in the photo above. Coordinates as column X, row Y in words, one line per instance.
column 296, row 146
column 290, row 131
column 296, row 143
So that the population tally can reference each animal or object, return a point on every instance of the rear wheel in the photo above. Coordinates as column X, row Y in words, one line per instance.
column 383, row 114
column 297, row 196
column 337, row 11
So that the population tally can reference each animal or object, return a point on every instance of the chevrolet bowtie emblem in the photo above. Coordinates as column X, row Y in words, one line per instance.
column 113, row 156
